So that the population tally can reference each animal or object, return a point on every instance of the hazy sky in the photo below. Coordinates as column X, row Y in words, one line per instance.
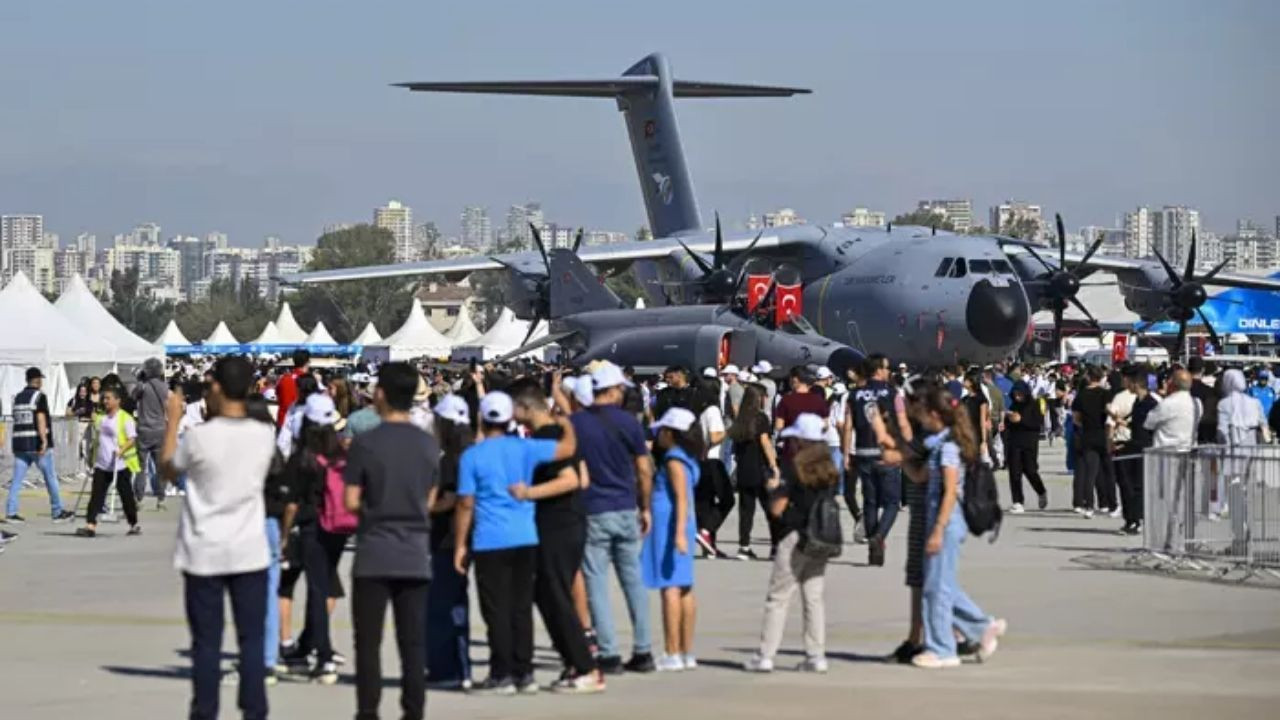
column 275, row 117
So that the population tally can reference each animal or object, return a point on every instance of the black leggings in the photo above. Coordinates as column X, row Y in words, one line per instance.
column 98, row 495
column 747, row 499
column 713, row 497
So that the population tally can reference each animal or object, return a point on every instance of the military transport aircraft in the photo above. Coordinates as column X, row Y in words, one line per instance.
column 913, row 293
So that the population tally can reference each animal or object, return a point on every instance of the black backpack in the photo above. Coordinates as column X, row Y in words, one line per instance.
column 981, row 503
column 822, row 537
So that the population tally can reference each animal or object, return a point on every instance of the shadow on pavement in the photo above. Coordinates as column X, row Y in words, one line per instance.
column 172, row 672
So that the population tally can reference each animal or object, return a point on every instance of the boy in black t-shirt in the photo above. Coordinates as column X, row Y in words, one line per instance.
column 562, row 537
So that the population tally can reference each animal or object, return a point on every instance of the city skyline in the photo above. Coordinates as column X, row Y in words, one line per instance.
column 276, row 138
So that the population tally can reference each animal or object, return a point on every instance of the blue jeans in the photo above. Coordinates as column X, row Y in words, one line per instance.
column 147, row 456
column 837, row 457
column 272, row 646
column 614, row 537
column 21, row 462
column 448, row 622
column 944, row 605
column 881, row 496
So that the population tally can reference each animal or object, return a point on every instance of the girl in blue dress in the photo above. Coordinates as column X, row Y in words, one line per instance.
column 666, row 560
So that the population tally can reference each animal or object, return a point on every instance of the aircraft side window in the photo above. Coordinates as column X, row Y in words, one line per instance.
column 944, row 268
column 1002, row 266
column 980, row 266
column 959, row 270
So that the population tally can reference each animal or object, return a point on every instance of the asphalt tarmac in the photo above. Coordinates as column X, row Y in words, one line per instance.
column 94, row 629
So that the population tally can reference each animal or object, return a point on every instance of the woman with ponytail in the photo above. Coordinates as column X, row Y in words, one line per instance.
column 947, row 610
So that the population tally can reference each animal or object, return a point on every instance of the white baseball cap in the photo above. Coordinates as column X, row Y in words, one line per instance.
column 675, row 418
column 709, row 372
column 806, row 427
column 730, row 369
column 608, row 375
column 496, row 408
column 764, row 367
column 582, row 391
column 454, row 409
column 320, row 409
column 824, row 373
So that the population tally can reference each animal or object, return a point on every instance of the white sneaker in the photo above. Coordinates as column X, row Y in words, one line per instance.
column 1114, row 513
column 670, row 663
column 690, row 662
column 1078, row 510
column 930, row 661
column 1016, row 509
column 1088, row 514
column 990, row 638
column 814, row 665
column 757, row 664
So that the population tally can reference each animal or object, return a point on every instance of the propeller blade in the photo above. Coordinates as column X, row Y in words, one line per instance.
column 1213, row 334
column 1062, row 241
column 717, row 257
column 1048, row 268
column 1216, row 269
column 1168, row 269
column 1057, row 333
column 697, row 259
column 533, row 327
column 1191, row 259
column 577, row 241
column 1092, row 249
column 1182, row 339
column 537, row 238
column 1080, row 306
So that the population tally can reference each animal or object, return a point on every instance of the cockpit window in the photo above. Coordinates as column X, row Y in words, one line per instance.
column 979, row 266
column 1002, row 266
column 958, row 270
column 944, row 268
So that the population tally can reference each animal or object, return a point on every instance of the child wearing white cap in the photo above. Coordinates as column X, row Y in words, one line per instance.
column 505, row 540
column 666, row 558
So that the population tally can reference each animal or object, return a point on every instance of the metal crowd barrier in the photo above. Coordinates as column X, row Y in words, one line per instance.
column 70, row 450
column 1214, row 504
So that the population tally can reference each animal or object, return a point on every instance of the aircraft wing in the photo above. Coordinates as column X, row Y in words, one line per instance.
column 613, row 254
column 1112, row 263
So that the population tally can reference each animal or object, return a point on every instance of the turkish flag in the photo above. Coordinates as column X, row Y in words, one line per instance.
column 1119, row 348
column 789, row 302
column 757, row 289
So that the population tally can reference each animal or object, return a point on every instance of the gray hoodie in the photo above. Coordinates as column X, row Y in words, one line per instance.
column 151, row 396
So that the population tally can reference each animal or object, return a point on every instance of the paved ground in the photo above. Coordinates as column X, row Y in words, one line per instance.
column 94, row 629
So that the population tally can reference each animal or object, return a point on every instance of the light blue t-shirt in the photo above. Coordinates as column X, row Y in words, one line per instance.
column 487, row 471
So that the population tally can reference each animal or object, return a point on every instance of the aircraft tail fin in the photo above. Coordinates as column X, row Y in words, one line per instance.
column 645, row 94
column 575, row 288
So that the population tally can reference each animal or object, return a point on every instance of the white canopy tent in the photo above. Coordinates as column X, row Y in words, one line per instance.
column 368, row 336
column 290, row 331
column 79, row 305
column 270, row 335
column 415, row 338
column 462, row 330
column 172, row 336
column 221, row 336
column 36, row 334
column 506, row 335
column 320, row 336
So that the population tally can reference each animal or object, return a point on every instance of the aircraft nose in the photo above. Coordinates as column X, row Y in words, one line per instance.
column 996, row 316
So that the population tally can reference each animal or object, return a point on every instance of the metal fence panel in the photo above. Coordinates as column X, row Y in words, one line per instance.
column 70, row 446
column 1214, row 502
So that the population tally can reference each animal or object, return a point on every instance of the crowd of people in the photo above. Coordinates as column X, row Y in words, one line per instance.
column 545, row 481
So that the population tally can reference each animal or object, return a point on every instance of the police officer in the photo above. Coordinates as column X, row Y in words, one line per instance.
column 33, row 445
column 873, row 407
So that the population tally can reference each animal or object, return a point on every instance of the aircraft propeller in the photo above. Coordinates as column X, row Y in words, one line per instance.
column 1060, row 285
column 1188, row 294
column 718, row 281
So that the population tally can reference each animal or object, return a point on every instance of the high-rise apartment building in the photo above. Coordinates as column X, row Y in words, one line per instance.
column 519, row 217
column 397, row 218
column 957, row 212
column 476, row 230
column 18, row 231
column 87, row 243
column 1171, row 230
column 862, row 217
column 1011, row 216
column 780, row 217
column 1137, row 233
column 146, row 235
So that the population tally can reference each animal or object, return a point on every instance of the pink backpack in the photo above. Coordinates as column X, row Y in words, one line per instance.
column 335, row 518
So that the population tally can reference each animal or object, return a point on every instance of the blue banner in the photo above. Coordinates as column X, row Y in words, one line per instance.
column 256, row 349
column 1234, row 311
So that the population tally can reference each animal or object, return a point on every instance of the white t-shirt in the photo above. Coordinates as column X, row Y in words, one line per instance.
column 834, row 418
column 1174, row 420
column 222, row 530
column 710, row 421
column 107, row 445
